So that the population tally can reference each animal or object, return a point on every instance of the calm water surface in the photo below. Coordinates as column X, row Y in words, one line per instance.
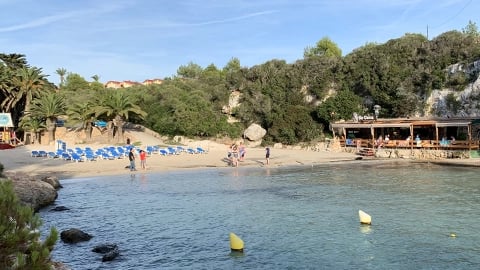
column 289, row 218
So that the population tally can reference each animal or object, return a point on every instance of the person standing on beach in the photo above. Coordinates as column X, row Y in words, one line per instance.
column 234, row 155
column 242, row 151
column 267, row 155
column 131, row 157
column 143, row 159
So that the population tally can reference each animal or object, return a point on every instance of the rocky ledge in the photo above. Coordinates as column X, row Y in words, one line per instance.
column 35, row 191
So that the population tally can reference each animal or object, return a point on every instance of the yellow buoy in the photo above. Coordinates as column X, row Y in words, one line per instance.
column 453, row 235
column 364, row 217
column 236, row 244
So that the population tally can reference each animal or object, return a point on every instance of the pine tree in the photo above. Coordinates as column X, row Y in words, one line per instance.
column 20, row 245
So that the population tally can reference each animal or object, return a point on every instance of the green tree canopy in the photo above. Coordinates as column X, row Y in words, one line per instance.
column 74, row 82
column 324, row 47
column 190, row 71
column 340, row 106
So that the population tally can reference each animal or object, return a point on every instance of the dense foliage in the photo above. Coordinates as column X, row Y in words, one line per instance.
column 20, row 243
column 294, row 102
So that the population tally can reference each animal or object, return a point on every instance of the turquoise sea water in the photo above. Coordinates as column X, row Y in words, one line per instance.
column 289, row 218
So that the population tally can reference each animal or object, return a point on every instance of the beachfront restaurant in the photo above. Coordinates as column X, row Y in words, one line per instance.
column 414, row 133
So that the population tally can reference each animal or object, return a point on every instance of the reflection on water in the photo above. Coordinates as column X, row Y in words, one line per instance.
column 365, row 229
column 290, row 218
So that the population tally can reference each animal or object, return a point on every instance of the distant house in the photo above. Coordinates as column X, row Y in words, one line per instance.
column 113, row 84
column 126, row 84
column 152, row 81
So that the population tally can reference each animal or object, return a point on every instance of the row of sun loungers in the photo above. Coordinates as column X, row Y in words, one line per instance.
column 112, row 152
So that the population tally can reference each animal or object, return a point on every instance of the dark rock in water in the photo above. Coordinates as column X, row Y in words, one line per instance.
column 73, row 236
column 104, row 248
column 59, row 209
column 110, row 251
column 109, row 256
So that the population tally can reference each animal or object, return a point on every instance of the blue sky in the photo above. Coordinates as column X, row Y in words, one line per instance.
column 143, row 39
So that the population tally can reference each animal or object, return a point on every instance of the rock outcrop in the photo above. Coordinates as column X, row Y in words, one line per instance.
column 34, row 191
column 254, row 132
column 439, row 103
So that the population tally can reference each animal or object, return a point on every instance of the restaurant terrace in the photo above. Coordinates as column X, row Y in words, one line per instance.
column 414, row 133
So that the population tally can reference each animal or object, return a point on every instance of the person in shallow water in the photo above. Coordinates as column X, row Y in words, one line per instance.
column 131, row 157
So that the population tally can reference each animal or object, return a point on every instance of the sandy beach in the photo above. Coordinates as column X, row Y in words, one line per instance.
column 19, row 160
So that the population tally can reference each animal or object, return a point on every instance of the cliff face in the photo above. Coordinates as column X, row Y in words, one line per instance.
column 34, row 191
column 452, row 103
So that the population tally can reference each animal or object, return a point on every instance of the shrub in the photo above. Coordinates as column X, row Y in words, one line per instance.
column 20, row 244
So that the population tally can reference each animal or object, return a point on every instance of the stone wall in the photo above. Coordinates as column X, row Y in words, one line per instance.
column 422, row 154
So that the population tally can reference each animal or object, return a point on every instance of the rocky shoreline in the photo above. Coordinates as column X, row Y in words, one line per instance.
column 34, row 191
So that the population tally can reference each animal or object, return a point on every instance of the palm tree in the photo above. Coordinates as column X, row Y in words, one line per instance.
column 61, row 72
column 48, row 106
column 27, row 83
column 9, row 65
column 14, row 60
column 83, row 113
column 5, row 86
column 117, row 106
column 95, row 78
column 32, row 125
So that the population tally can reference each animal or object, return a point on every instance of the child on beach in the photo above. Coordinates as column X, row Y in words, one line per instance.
column 143, row 159
column 242, row 151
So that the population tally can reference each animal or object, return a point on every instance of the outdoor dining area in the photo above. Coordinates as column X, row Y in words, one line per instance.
column 409, row 133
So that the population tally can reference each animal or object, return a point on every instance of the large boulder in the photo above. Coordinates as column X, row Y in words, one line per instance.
column 72, row 236
column 34, row 191
column 254, row 132
column 53, row 181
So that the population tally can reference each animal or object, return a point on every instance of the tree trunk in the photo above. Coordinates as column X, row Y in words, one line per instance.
column 110, row 130
column 88, row 131
column 26, row 110
column 33, row 137
column 118, row 122
column 51, row 127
